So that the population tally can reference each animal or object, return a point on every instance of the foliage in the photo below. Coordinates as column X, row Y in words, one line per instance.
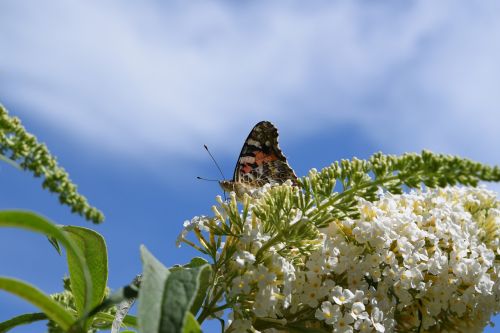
column 87, row 261
column 169, row 298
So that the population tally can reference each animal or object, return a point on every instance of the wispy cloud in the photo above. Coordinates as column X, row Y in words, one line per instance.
column 142, row 78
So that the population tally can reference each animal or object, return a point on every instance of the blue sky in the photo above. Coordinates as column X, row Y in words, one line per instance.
column 126, row 94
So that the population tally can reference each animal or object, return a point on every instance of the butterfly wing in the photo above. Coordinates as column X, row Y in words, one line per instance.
column 261, row 160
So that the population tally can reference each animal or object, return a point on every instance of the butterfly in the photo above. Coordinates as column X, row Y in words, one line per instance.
column 260, row 162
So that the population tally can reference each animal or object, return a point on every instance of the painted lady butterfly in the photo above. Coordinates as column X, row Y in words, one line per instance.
column 260, row 162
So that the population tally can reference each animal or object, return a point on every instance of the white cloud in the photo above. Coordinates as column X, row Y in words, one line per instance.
column 155, row 78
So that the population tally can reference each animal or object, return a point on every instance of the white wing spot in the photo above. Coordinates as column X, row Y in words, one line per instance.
column 254, row 143
column 247, row 159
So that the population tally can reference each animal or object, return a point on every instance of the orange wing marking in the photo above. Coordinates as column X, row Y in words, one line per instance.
column 261, row 158
column 246, row 168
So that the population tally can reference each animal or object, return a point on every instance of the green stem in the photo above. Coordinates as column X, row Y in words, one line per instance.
column 208, row 310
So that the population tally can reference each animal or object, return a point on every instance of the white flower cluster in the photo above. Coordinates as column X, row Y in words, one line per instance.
column 416, row 262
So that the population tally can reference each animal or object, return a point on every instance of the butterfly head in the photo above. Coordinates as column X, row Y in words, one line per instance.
column 227, row 185
column 239, row 188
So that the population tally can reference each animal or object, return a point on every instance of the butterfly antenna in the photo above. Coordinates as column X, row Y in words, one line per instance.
column 213, row 159
column 218, row 168
column 211, row 180
column 206, row 179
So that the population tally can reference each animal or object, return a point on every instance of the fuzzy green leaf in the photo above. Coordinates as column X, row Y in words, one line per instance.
column 166, row 296
column 204, row 282
column 154, row 277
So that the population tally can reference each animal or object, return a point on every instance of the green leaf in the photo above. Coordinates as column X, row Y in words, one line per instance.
column 55, row 244
column 130, row 320
column 24, row 319
column 191, row 325
column 196, row 262
column 154, row 277
column 33, row 222
column 93, row 248
column 179, row 293
column 166, row 296
column 204, row 282
column 51, row 308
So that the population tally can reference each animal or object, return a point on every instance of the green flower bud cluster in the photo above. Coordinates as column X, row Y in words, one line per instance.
column 23, row 149
column 339, row 185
